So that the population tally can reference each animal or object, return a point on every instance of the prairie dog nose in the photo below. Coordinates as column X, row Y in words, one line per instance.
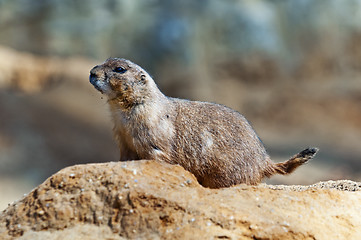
column 94, row 75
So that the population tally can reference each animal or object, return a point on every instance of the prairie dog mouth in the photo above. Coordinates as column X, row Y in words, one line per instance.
column 101, row 86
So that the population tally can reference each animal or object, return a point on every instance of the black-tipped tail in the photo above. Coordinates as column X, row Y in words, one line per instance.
column 294, row 162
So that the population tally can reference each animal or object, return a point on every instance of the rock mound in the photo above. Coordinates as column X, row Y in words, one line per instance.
column 151, row 200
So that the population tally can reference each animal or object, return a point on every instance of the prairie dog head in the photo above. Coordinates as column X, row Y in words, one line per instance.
column 123, row 81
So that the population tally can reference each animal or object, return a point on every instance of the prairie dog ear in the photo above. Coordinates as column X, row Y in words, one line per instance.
column 142, row 77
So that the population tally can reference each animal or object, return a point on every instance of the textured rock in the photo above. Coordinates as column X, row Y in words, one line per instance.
column 151, row 200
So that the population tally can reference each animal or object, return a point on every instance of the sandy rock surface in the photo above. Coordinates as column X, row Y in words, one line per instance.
column 151, row 200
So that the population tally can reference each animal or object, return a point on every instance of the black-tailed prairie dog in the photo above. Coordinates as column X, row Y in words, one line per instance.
column 214, row 142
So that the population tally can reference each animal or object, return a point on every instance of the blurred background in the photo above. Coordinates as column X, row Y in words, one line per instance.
column 293, row 68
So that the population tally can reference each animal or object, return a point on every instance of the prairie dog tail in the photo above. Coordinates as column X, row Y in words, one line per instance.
column 294, row 162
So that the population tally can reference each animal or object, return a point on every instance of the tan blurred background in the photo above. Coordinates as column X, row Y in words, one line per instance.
column 293, row 68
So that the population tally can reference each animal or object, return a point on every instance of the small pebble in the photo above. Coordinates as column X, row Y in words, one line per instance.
column 285, row 223
column 255, row 227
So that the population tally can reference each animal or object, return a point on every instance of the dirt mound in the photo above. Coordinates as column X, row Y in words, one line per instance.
column 151, row 200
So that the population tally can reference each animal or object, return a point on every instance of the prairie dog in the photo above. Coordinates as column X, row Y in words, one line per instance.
column 214, row 142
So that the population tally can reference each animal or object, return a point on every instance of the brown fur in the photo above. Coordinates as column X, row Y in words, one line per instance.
column 214, row 142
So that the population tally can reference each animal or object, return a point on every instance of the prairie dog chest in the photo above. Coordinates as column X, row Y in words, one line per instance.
column 144, row 126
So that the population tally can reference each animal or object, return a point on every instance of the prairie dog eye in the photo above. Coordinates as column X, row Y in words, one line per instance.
column 120, row 70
